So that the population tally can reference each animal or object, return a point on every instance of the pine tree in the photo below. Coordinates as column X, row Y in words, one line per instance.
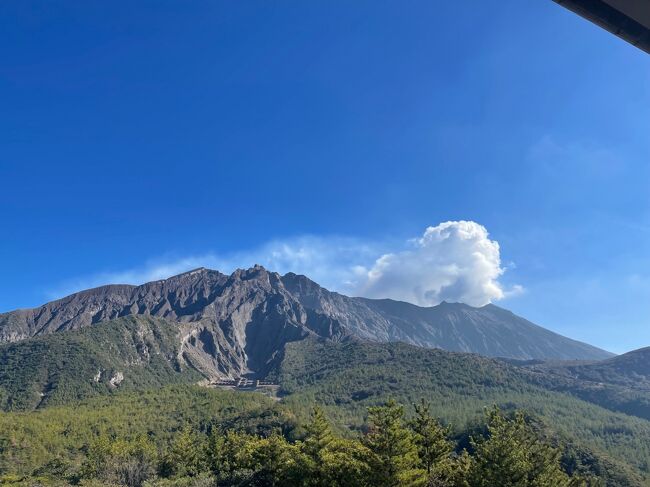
column 318, row 439
column 97, row 456
column 511, row 455
column 331, row 461
column 215, row 451
column 431, row 438
column 394, row 460
column 319, row 435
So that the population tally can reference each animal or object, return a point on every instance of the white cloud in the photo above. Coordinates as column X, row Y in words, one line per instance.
column 453, row 261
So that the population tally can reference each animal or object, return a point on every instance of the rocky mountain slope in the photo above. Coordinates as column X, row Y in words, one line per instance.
column 236, row 324
column 488, row 330
column 240, row 322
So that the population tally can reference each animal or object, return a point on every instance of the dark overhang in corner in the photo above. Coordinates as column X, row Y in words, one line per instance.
column 628, row 19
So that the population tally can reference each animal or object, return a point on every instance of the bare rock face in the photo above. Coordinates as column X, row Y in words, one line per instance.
column 238, row 324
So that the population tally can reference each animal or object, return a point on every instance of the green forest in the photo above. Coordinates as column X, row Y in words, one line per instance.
column 191, row 436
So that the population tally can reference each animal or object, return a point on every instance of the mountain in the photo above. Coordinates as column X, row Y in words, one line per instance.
column 320, row 347
column 230, row 325
column 238, row 324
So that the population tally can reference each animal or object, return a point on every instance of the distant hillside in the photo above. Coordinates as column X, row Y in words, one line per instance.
column 631, row 369
column 620, row 383
column 247, row 317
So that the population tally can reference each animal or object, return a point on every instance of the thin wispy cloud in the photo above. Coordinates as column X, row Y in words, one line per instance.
column 331, row 261
column 453, row 261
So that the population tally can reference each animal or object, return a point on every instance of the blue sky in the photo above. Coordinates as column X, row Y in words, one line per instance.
column 140, row 138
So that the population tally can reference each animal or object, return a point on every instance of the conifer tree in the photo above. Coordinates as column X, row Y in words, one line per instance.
column 430, row 437
column 510, row 456
column 394, row 461
column 319, row 435
column 318, row 439
column 332, row 461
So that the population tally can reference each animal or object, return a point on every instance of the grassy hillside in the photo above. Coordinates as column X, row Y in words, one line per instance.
column 65, row 367
column 346, row 378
